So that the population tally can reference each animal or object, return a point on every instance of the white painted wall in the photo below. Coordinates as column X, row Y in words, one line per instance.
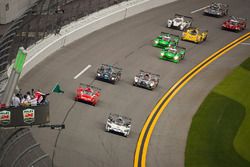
column 11, row 9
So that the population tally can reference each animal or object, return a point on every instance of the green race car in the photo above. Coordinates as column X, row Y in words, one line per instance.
column 165, row 40
column 173, row 53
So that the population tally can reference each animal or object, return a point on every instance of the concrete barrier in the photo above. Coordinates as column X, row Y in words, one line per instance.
column 85, row 26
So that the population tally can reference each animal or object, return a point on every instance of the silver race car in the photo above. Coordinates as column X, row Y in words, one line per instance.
column 108, row 73
column 146, row 80
column 217, row 10
column 119, row 124
column 180, row 22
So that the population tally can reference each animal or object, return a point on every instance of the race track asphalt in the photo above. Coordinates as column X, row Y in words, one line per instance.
column 127, row 44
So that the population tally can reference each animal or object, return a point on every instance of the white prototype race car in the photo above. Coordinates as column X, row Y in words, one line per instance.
column 180, row 22
column 119, row 124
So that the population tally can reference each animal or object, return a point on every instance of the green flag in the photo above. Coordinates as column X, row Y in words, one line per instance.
column 57, row 89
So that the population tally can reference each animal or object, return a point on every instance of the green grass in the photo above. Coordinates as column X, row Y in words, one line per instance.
column 220, row 132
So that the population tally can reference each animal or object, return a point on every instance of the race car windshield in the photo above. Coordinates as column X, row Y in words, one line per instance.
column 234, row 22
column 86, row 92
column 214, row 7
column 178, row 20
column 172, row 51
column 165, row 38
column 119, row 121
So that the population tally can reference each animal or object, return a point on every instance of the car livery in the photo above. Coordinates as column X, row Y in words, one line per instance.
column 166, row 39
column 119, row 124
column 146, row 80
column 217, row 10
column 87, row 93
column 174, row 54
column 194, row 34
column 180, row 22
column 235, row 24
column 108, row 73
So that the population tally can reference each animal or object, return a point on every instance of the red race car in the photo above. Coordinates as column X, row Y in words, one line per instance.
column 88, row 94
column 235, row 24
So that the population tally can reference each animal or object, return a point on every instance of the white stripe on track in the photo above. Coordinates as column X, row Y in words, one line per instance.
column 84, row 70
column 199, row 9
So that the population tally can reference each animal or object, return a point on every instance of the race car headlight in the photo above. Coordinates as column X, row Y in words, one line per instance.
column 151, row 84
column 98, row 74
column 176, row 57
column 112, row 78
column 162, row 53
column 156, row 41
column 136, row 79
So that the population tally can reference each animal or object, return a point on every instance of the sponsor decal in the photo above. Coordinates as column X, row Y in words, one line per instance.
column 29, row 115
column 5, row 117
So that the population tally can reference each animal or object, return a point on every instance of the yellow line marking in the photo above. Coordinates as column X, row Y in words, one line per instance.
column 201, row 65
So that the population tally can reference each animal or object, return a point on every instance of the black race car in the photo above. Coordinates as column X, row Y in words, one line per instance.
column 217, row 10
column 146, row 80
column 108, row 73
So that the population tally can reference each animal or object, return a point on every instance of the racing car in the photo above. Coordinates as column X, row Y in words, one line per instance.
column 108, row 73
column 180, row 22
column 119, row 124
column 235, row 24
column 166, row 39
column 146, row 80
column 87, row 93
column 194, row 34
column 217, row 10
column 174, row 54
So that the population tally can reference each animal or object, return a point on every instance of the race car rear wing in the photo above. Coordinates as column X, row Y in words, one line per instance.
column 220, row 4
column 90, row 86
column 187, row 17
column 114, row 67
column 171, row 35
column 238, row 18
column 144, row 72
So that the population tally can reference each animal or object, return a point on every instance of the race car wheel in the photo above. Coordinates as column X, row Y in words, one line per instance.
column 205, row 38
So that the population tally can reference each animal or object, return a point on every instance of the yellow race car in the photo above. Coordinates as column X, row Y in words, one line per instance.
column 194, row 34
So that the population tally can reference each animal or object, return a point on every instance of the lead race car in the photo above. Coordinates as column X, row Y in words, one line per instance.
column 119, row 124
column 88, row 93
column 180, row 22
column 235, row 24
column 109, row 73
column 173, row 53
column 146, row 80
column 194, row 34
column 166, row 39
column 217, row 10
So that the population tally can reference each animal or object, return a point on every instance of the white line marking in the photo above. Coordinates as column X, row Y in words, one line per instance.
column 246, row 44
column 199, row 9
column 80, row 73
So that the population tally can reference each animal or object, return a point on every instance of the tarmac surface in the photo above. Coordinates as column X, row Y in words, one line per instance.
column 127, row 44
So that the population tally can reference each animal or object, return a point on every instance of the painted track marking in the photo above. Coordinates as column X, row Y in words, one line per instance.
column 84, row 70
column 245, row 43
column 148, row 127
column 199, row 9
